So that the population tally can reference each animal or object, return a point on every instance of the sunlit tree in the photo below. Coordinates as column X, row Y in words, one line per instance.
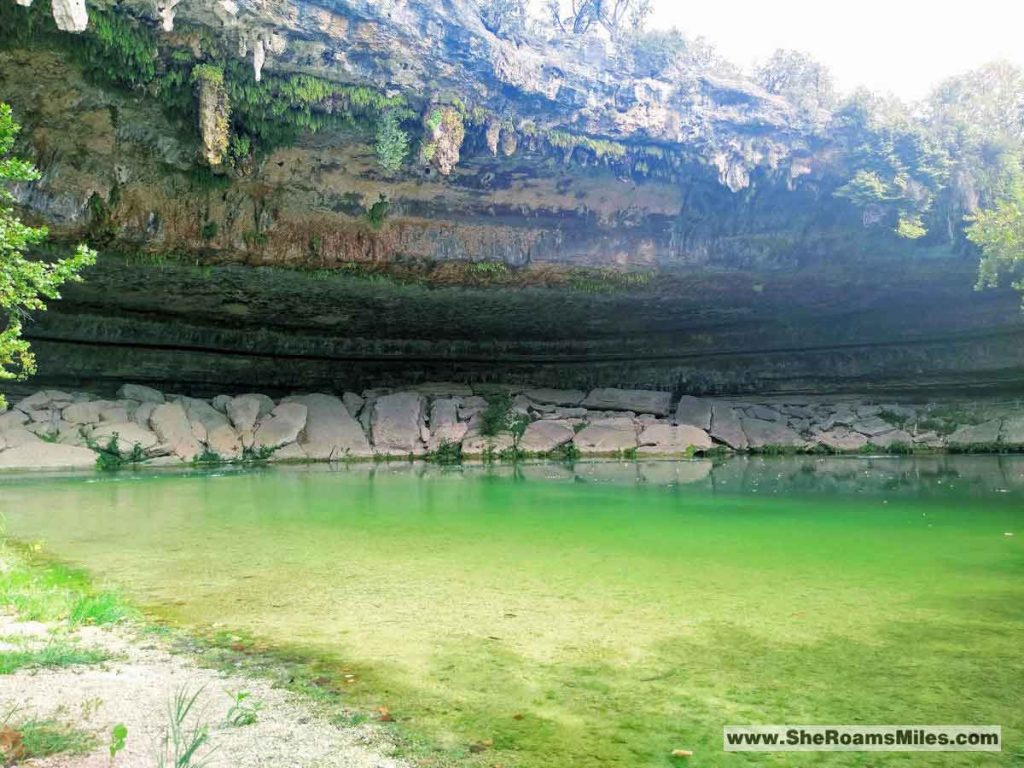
column 24, row 282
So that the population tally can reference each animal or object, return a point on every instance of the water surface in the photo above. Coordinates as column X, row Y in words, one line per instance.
column 602, row 614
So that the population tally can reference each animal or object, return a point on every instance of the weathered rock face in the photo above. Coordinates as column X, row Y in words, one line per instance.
column 608, row 436
column 639, row 401
column 282, row 426
column 545, row 436
column 779, row 290
column 669, row 440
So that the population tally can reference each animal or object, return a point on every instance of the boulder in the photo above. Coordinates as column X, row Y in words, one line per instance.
column 353, row 402
column 290, row 452
column 445, row 426
column 171, row 425
column 397, row 424
column 637, row 400
column 891, row 438
column 282, row 426
column 841, row 440
column 46, row 398
column 726, row 427
column 471, row 406
column 202, row 417
column 976, row 434
column 142, row 414
column 95, row 411
column 607, row 436
column 694, row 411
column 562, row 397
column 762, row 433
column 129, row 434
column 478, row 445
column 568, row 413
column 669, row 440
column 140, row 393
column 546, row 436
column 220, row 403
column 331, row 433
column 18, row 436
column 43, row 455
column 244, row 410
column 84, row 413
column 764, row 413
column 13, row 420
column 871, row 426
column 1013, row 431
column 224, row 441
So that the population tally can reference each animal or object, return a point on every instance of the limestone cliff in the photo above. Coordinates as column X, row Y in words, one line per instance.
column 543, row 214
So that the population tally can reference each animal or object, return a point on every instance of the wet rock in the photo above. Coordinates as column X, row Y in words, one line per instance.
column 607, row 436
column 43, row 455
column 637, row 400
column 562, row 397
column 140, row 393
column 129, row 434
column 669, row 440
column 398, row 423
column 694, row 411
column 727, row 428
column 171, row 425
column 977, row 434
column 282, row 426
column 762, row 433
column 331, row 433
column 546, row 436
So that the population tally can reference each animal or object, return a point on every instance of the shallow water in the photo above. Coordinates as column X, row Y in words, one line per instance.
column 598, row 615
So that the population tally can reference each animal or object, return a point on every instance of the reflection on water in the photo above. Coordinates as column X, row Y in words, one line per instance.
column 618, row 608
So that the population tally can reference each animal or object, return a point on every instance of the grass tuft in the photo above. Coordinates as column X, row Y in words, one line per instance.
column 54, row 655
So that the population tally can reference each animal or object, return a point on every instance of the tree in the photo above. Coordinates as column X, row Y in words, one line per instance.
column 24, row 283
column 617, row 17
column 799, row 79
column 392, row 142
column 999, row 233
column 505, row 18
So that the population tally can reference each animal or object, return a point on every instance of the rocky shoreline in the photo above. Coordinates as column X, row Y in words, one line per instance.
column 53, row 429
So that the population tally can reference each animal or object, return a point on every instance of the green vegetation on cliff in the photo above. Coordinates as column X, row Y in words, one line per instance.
column 24, row 283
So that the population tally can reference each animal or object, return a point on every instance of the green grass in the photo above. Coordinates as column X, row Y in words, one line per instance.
column 38, row 590
column 56, row 654
column 42, row 738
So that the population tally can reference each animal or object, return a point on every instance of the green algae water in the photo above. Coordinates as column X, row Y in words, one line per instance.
column 602, row 614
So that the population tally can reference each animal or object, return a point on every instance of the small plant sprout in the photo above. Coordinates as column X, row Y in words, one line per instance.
column 118, row 735
column 244, row 709
column 182, row 742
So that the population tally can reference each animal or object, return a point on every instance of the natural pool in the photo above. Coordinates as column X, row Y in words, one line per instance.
column 601, row 614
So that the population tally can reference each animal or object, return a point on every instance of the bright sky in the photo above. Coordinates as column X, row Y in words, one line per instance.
column 903, row 46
